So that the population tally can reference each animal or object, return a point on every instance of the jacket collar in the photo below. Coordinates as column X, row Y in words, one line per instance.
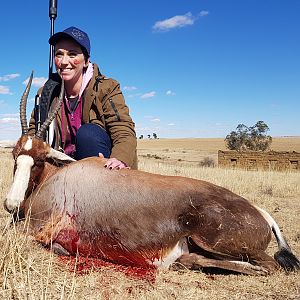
column 89, row 94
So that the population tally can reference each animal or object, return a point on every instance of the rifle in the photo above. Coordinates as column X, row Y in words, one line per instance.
column 42, row 103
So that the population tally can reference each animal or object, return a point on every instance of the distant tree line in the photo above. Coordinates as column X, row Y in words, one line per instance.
column 253, row 138
column 244, row 138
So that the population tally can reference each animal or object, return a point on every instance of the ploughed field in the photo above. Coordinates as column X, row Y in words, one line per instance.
column 28, row 271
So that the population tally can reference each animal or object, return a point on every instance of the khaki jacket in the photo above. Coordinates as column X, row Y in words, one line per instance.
column 104, row 105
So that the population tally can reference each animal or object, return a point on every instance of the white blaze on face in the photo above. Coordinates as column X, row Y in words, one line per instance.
column 20, row 182
column 28, row 144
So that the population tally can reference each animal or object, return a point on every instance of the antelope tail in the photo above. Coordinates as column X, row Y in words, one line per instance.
column 284, row 256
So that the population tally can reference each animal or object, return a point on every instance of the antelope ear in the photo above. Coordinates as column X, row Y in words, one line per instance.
column 59, row 156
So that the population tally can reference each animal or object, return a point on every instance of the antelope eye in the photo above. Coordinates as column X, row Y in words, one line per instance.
column 38, row 163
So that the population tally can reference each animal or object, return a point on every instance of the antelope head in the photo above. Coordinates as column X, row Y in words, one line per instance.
column 30, row 155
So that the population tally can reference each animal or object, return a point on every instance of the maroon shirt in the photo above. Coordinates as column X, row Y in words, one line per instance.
column 72, row 117
column 73, row 120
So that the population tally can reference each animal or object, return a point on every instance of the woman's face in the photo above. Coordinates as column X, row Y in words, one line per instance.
column 69, row 60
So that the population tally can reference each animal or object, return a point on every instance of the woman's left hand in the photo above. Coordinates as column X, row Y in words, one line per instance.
column 113, row 163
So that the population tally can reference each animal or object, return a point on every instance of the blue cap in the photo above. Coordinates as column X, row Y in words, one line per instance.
column 74, row 33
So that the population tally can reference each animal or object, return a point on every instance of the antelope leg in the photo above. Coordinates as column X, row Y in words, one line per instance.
column 195, row 261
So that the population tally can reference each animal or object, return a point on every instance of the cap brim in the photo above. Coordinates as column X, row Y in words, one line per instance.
column 59, row 36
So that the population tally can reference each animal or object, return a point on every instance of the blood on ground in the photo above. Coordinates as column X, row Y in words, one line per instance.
column 84, row 265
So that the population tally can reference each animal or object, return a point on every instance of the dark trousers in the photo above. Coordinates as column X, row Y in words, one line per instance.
column 91, row 140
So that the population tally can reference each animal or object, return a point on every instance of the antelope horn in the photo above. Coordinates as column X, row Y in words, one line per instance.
column 41, row 132
column 23, row 103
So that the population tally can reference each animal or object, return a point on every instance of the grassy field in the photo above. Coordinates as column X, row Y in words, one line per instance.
column 193, row 151
column 28, row 271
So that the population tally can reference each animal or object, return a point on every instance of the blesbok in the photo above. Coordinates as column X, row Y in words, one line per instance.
column 136, row 218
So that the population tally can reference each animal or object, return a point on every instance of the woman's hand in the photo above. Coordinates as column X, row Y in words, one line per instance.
column 113, row 163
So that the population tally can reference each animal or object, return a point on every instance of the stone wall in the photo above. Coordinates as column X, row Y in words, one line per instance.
column 252, row 160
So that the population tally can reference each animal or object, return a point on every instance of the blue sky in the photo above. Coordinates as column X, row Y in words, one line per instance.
column 193, row 68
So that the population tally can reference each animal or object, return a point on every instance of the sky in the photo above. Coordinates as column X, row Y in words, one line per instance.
column 188, row 69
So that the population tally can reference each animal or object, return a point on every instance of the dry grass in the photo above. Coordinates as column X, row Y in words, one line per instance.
column 30, row 272
column 193, row 151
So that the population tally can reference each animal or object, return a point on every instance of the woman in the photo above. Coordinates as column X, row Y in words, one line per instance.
column 94, row 119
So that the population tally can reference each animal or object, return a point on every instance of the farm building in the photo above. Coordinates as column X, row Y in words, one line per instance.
column 253, row 160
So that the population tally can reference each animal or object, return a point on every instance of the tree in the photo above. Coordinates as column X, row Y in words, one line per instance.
column 154, row 135
column 141, row 137
column 237, row 140
column 259, row 140
column 249, row 138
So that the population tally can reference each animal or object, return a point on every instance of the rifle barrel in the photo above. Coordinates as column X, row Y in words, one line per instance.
column 52, row 16
column 52, row 9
